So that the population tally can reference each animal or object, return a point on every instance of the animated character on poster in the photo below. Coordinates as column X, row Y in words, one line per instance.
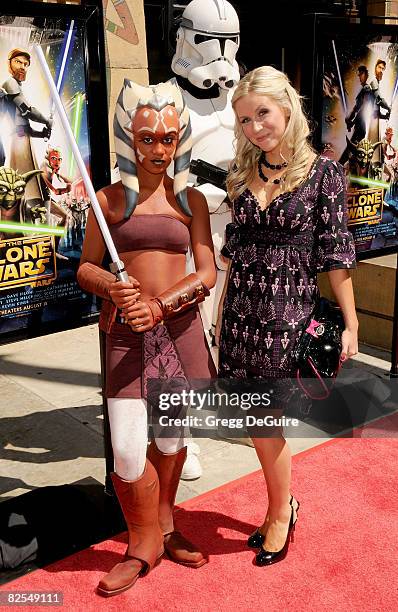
column 12, row 190
column 76, row 222
column 389, row 155
column 360, row 87
column 20, row 156
column 57, row 184
column 357, row 117
column 379, row 105
column 38, row 175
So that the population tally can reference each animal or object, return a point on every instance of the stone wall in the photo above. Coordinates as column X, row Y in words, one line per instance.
column 126, row 55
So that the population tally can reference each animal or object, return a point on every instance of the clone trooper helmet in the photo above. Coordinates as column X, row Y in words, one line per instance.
column 207, row 42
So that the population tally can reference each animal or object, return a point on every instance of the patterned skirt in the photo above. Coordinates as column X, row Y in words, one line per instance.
column 177, row 349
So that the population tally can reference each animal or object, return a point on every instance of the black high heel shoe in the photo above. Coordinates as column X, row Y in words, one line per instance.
column 265, row 557
column 256, row 539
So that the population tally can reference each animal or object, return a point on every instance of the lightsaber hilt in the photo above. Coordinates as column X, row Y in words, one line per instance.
column 117, row 267
column 119, row 271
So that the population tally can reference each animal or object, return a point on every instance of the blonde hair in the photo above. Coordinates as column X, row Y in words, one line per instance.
column 274, row 84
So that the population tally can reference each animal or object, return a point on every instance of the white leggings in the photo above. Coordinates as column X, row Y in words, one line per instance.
column 128, row 421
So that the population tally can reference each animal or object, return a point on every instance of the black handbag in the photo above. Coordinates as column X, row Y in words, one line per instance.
column 318, row 350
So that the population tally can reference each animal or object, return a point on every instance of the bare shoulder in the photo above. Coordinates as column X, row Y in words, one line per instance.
column 197, row 202
column 111, row 200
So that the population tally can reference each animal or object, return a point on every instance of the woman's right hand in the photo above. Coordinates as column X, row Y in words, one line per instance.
column 123, row 294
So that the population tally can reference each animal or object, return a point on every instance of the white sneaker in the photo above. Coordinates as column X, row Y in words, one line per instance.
column 192, row 468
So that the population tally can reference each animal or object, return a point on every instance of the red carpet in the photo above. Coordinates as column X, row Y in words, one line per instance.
column 343, row 559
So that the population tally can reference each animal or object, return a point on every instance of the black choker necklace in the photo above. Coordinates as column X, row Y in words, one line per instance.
column 263, row 160
column 265, row 178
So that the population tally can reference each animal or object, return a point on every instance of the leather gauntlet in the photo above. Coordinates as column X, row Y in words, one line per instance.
column 181, row 296
column 94, row 279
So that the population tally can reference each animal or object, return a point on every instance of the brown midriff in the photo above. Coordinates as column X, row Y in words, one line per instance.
column 155, row 270
column 153, row 249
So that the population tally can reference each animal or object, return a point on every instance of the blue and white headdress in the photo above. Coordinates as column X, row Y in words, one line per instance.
column 132, row 97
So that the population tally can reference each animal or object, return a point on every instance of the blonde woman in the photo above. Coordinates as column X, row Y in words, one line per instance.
column 290, row 222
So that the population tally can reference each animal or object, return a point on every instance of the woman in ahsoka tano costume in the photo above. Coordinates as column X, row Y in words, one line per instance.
column 152, row 324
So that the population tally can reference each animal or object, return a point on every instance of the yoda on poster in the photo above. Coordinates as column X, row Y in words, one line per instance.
column 360, row 130
column 42, row 195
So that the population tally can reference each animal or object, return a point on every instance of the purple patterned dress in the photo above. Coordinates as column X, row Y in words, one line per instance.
column 276, row 254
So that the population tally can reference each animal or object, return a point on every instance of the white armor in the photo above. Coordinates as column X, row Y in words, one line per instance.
column 212, row 130
column 212, row 118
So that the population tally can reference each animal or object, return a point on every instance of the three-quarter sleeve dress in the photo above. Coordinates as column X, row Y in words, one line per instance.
column 275, row 255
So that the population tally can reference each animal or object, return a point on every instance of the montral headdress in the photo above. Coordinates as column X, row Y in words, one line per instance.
column 131, row 98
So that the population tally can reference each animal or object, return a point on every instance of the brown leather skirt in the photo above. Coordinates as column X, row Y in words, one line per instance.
column 178, row 347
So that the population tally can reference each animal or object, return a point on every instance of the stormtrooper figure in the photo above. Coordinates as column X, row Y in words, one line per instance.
column 207, row 72
column 206, row 69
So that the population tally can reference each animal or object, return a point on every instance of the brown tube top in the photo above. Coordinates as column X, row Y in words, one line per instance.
column 150, row 231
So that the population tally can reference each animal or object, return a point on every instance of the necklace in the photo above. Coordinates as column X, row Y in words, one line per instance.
column 265, row 178
column 267, row 164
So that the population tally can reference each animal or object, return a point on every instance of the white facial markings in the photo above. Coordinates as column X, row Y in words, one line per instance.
column 147, row 129
column 159, row 118
column 162, row 118
column 140, row 155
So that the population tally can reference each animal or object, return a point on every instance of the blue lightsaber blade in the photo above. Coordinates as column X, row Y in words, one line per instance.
column 340, row 79
column 61, row 72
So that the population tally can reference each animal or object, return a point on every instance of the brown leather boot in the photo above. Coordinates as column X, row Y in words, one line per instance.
column 169, row 468
column 139, row 500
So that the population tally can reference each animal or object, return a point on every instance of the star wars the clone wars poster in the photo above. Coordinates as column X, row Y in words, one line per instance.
column 360, row 130
column 43, row 201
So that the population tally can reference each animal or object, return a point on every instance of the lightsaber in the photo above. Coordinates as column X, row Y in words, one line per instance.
column 11, row 228
column 340, row 80
column 63, row 64
column 370, row 182
column 65, row 57
column 76, row 126
column 116, row 266
column 394, row 93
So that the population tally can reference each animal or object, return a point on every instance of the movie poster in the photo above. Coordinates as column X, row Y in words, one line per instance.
column 360, row 130
column 43, row 201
